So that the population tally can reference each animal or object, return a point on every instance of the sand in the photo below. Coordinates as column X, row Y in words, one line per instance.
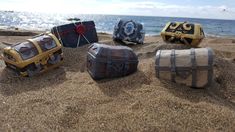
column 68, row 99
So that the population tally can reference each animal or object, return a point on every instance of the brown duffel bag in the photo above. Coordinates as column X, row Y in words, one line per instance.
column 192, row 67
column 105, row 61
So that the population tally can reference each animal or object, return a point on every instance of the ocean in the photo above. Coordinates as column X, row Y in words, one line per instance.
column 105, row 23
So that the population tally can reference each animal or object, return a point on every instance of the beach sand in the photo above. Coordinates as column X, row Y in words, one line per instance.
column 68, row 99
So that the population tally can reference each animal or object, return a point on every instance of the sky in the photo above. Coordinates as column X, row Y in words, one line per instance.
column 216, row 9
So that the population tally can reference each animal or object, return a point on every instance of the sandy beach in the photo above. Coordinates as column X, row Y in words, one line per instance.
column 68, row 99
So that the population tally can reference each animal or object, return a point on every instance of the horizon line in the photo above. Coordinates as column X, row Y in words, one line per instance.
column 12, row 11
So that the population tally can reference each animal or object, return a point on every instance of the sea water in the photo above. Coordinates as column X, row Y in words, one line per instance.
column 105, row 23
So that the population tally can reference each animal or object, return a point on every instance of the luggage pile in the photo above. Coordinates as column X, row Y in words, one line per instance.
column 191, row 67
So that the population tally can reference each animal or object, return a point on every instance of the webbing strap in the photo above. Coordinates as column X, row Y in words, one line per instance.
column 158, row 63
column 183, row 69
column 185, row 41
column 59, row 37
column 78, row 42
column 86, row 39
column 79, row 37
column 173, row 69
column 109, row 62
column 194, row 67
column 126, row 63
column 210, row 64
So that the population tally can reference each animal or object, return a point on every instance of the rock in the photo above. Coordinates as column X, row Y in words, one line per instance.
column 73, row 19
column 17, row 32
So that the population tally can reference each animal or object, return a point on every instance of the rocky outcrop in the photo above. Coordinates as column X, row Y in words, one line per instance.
column 18, row 33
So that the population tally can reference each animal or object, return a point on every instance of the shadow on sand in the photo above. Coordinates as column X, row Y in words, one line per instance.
column 116, row 86
column 11, row 84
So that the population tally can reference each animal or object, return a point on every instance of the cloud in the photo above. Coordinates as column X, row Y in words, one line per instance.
column 125, row 7
column 173, row 10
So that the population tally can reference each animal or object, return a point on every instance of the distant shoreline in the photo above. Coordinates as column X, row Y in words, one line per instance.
column 23, row 32
column 13, row 11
